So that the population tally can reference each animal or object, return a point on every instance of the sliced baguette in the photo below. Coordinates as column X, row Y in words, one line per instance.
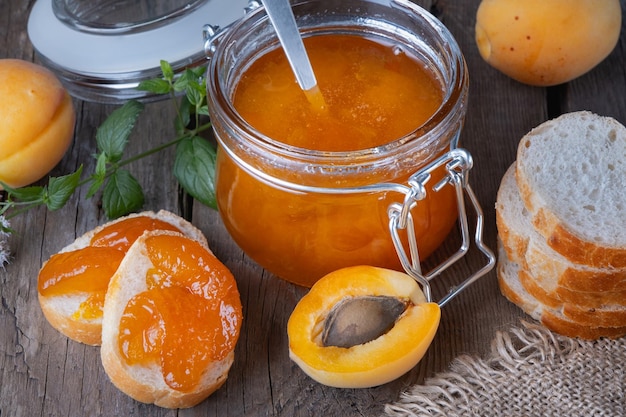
column 570, row 173
column 145, row 382
column 553, row 319
column 600, row 315
column 539, row 274
column 61, row 310
column 558, row 278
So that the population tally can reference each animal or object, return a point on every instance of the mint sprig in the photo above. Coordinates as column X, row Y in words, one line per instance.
column 194, row 164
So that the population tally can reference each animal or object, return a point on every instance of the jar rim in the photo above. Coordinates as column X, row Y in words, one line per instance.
column 450, row 112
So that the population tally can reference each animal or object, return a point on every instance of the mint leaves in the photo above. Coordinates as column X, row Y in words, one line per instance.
column 112, row 135
column 194, row 168
column 194, row 165
column 122, row 193
column 54, row 195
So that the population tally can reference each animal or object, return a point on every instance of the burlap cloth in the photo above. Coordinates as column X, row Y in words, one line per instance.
column 530, row 372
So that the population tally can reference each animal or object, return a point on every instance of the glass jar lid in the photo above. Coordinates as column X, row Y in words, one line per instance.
column 102, row 49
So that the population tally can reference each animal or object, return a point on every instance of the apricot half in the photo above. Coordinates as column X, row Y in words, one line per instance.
column 546, row 42
column 361, row 327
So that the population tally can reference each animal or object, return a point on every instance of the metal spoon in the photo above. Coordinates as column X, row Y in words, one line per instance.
column 284, row 22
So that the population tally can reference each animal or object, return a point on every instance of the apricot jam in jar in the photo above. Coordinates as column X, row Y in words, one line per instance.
column 305, row 189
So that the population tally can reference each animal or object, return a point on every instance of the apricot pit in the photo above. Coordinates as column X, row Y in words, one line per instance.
column 361, row 327
column 357, row 320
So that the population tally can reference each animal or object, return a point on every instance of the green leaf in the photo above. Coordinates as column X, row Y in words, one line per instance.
column 199, row 71
column 204, row 110
column 112, row 135
column 101, row 165
column 156, row 86
column 189, row 76
column 166, row 69
column 98, row 177
column 184, row 111
column 122, row 194
column 195, row 94
column 60, row 189
column 25, row 194
column 181, row 82
column 194, row 168
column 95, row 185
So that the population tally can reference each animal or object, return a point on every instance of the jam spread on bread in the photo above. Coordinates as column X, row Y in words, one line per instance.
column 89, row 270
column 188, row 317
column 122, row 234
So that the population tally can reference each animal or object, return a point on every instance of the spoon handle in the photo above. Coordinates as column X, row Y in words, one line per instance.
column 281, row 16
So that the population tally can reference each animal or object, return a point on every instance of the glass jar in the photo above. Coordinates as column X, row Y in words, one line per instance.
column 302, row 213
column 111, row 17
column 102, row 49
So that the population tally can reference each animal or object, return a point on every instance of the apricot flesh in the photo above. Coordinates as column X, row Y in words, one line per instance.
column 365, row 363
column 36, row 122
column 546, row 42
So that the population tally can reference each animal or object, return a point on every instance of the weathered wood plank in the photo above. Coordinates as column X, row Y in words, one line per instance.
column 43, row 373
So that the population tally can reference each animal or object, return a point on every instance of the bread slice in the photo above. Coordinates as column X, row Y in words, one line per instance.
column 63, row 311
column 554, row 275
column 552, row 318
column 604, row 315
column 570, row 173
column 137, row 274
column 576, row 303
column 540, row 269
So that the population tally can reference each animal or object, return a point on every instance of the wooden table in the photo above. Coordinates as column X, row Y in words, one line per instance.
column 42, row 373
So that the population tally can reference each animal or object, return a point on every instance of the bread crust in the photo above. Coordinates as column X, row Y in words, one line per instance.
column 88, row 330
column 164, row 396
column 554, row 273
column 553, row 319
column 146, row 383
column 576, row 300
column 575, row 249
column 591, row 299
column 560, row 235
column 600, row 315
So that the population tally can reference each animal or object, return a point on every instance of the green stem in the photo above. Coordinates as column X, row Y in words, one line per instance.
column 26, row 207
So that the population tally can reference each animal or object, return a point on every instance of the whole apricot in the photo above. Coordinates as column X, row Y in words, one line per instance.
column 36, row 122
column 547, row 42
column 361, row 327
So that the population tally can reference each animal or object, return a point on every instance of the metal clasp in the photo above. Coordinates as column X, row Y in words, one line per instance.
column 212, row 33
column 458, row 163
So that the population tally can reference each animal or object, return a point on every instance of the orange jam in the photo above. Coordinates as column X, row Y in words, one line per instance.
column 89, row 270
column 375, row 94
column 189, row 316
column 122, row 234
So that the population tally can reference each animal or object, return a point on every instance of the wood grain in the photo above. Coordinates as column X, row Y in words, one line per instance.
column 44, row 374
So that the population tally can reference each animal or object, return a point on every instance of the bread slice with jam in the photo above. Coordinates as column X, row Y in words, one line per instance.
column 72, row 283
column 171, row 320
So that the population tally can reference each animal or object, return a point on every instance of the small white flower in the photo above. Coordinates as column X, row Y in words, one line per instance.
column 4, row 241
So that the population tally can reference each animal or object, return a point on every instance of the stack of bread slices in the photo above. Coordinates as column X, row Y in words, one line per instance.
column 561, row 218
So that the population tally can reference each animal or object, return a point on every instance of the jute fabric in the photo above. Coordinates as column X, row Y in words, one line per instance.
column 530, row 372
